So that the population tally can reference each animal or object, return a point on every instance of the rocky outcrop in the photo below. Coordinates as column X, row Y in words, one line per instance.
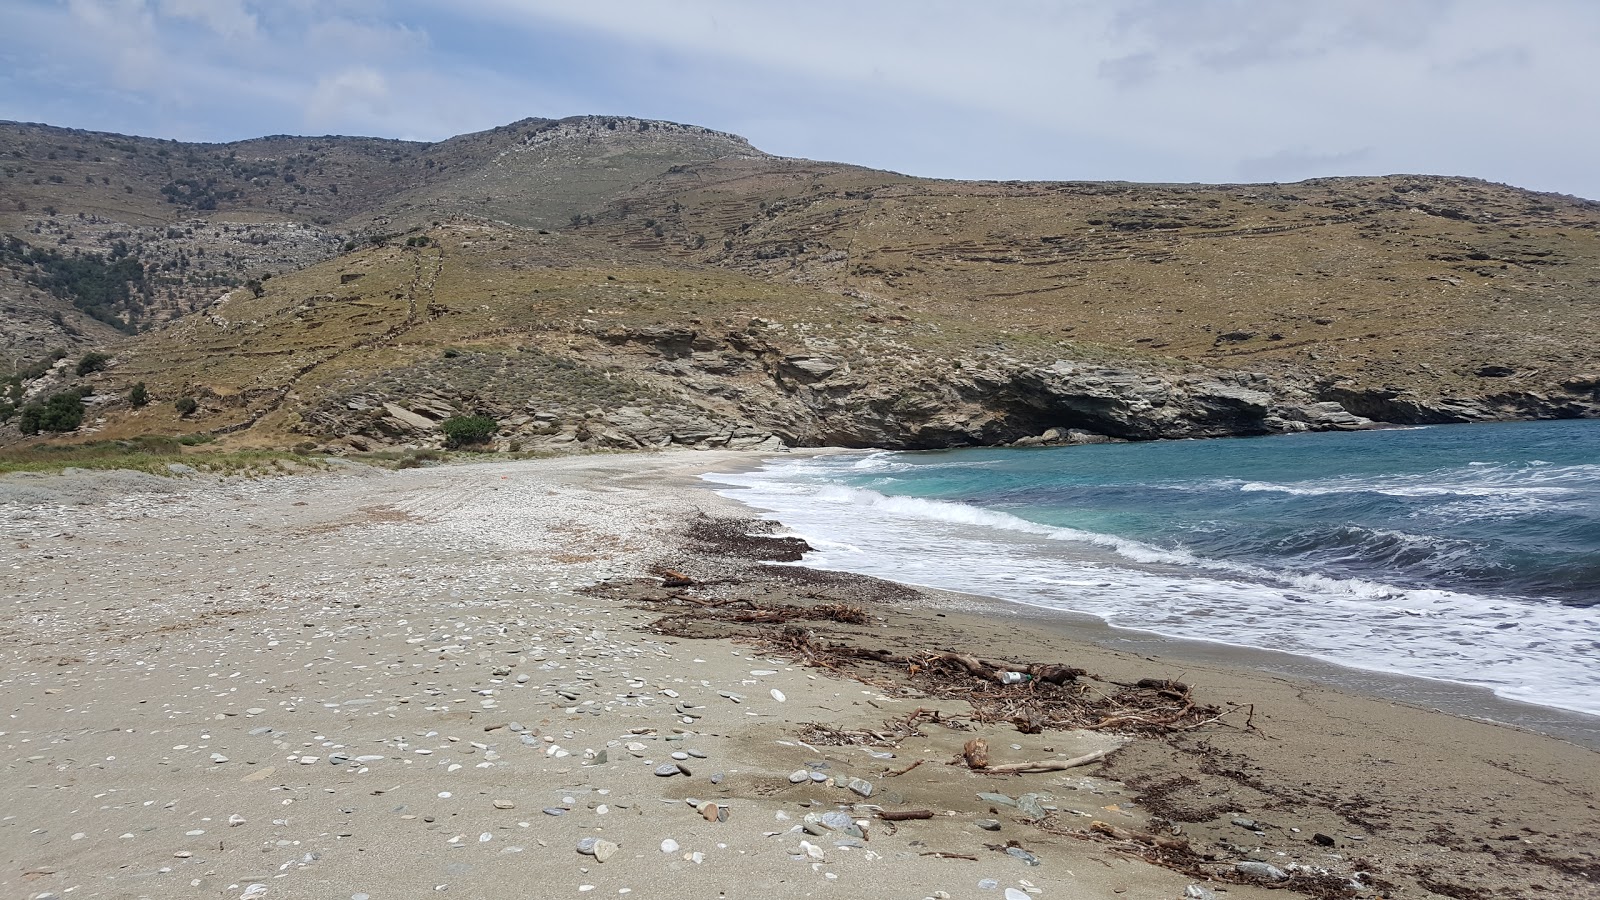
column 659, row 387
column 1401, row 407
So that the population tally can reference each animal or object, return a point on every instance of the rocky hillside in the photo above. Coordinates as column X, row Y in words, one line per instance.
column 610, row 282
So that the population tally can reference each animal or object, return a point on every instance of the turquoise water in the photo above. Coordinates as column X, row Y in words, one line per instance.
column 1466, row 553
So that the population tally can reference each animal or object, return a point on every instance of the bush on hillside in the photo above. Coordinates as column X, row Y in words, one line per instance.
column 463, row 431
column 138, row 395
column 93, row 361
column 186, row 406
column 61, row 412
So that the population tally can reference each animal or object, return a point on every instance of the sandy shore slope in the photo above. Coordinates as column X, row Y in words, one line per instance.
column 378, row 685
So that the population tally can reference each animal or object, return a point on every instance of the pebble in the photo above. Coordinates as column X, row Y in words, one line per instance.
column 1014, row 894
column 1031, row 807
column 679, row 754
column 669, row 846
column 504, row 804
column 1023, row 855
column 988, row 824
column 554, row 811
column 778, row 695
column 859, row 786
column 837, row 820
column 798, row 776
column 668, row 770
column 1197, row 892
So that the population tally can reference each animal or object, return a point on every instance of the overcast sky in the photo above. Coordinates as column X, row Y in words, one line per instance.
column 1143, row 90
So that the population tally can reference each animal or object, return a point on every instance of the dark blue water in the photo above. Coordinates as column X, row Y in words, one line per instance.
column 1470, row 553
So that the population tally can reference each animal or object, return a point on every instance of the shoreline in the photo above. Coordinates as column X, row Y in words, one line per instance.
column 182, row 647
column 1451, row 697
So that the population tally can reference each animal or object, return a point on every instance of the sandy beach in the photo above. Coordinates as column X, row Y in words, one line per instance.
column 370, row 684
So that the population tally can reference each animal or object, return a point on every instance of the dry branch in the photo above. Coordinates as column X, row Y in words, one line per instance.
column 1049, row 765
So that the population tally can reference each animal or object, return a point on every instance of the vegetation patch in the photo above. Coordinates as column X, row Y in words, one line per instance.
column 59, row 413
column 102, row 287
column 467, row 431
column 153, row 454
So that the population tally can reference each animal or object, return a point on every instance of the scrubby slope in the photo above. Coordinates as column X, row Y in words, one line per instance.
column 616, row 282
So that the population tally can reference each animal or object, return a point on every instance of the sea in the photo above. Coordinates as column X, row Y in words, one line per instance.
column 1461, row 553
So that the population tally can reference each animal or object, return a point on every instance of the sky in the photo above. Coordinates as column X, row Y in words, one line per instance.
column 1218, row 91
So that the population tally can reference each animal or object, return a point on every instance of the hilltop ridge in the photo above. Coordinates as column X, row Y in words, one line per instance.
column 611, row 281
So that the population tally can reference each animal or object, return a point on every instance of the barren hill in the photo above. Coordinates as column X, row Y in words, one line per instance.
column 606, row 281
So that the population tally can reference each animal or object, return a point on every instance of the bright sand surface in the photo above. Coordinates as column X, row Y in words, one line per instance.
column 370, row 684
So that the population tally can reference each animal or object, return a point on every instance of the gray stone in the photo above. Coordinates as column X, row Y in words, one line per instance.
column 836, row 819
column 1025, row 856
column 1260, row 870
column 1031, row 807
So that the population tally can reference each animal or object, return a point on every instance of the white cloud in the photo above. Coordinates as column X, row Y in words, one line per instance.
column 227, row 18
column 353, row 95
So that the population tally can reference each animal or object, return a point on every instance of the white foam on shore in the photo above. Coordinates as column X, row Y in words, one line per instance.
column 1535, row 653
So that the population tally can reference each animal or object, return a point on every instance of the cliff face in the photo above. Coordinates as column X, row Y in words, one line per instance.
column 613, row 282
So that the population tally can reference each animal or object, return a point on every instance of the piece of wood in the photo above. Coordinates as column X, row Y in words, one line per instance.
column 904, row 815
column 976, row 753
column 1138, row 837
column 1048, row 765
column 943, row 855
column 899, row 772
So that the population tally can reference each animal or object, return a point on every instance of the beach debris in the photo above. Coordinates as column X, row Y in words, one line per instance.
column 904, row 815
column 1199, row 892
column 1160, row 842
column 1048, row 765
column 674, row 579
column 976, row 753
column 1016, row 852
column 1260, row 870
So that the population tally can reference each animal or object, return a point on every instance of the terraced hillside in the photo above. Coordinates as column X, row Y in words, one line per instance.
column 608, row 282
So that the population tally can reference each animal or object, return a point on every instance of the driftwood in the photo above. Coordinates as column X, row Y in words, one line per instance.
column 673, row 579
column 904, row 815
column 1049, row 765
column 976, row 753
column 1138, row 837
column 898, row 772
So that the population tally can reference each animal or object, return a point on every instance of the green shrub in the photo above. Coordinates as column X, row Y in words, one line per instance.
column 138, row 395
column 462, row 431
column 93, row 362
column 62, row 412
column 186, row 406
